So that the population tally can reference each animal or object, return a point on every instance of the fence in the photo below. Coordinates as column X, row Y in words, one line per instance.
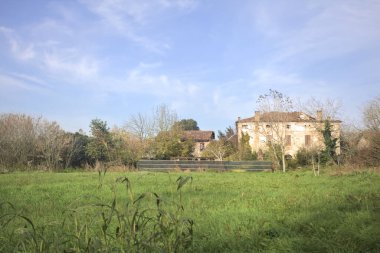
column 202, row 165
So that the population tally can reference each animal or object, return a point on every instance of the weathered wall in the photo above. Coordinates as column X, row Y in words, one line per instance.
column 258, row 133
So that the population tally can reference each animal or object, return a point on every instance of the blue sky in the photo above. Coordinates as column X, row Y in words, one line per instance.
column 75, row 60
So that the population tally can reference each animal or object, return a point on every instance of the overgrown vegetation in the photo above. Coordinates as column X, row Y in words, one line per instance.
column 232, row 212
column 146, row 222
column 34, row 143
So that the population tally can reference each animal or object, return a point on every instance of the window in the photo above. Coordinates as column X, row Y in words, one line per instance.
column 244, row 126
column 307, row 140
column 288, row 140
column 201, row 146
column 267, row 126
column 288, row 126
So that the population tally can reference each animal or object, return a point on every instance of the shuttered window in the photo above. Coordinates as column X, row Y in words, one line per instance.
column 288, row 140
column 307, row 140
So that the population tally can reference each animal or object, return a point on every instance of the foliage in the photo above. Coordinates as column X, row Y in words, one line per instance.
column 304, row 156
column 74, row 152
column 244, row 152
column 168, row 144
column 186, row 125
column 329, row 152
column 126, row 149
column 100, row 143
column 219, row 149
column 273, row 153
column 187, row 148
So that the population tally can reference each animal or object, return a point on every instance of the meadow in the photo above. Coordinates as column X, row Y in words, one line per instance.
column 210, row 212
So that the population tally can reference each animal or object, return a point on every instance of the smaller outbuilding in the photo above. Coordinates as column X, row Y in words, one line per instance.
column 201, row 140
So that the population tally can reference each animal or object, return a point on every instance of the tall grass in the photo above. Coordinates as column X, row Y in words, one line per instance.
column 145, row 222
column 231, row 212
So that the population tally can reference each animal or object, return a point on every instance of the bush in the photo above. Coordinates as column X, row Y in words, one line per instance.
column 303, row 157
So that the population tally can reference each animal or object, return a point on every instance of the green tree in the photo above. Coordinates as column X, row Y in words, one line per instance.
column 100, row 143
column 187, row 148
column 167, row 144
column 74, row 153
column 186, row 125
column 245, row 150
column 230, row 136
column 329, row 152
column 127, row 148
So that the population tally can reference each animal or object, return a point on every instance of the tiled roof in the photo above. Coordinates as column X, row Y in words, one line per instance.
column 199, row 136
column 281, row 117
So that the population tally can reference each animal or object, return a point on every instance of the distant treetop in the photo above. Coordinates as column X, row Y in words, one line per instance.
column 186, row 125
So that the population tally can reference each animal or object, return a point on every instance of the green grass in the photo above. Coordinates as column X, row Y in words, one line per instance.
column 233, row 212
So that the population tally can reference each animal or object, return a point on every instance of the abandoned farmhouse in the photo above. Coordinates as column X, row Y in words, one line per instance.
column 295, row 129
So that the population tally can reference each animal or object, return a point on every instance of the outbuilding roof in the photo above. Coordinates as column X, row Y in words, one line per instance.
column 199, row 135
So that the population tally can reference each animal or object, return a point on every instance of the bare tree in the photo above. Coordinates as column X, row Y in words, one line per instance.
column 163, row 118
column 329, row 107
column 18, row 142
column 218, row 149
column 146, row 127
column 141, row 126
column 323, row 111
column 275, row 108
column 51, row 143
column 371, row 114
column 26, row 141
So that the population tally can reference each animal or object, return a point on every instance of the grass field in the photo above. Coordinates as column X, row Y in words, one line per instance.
column 232, row 212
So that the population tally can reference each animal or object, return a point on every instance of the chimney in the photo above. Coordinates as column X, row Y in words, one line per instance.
column 257, row 115
column 319, row 115
column 238, row 119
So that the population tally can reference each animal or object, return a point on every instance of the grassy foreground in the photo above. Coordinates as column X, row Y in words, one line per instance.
column 232, row 212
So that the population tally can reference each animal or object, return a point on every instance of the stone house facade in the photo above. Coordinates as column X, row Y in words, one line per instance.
column 201, row 140
column 295, row 129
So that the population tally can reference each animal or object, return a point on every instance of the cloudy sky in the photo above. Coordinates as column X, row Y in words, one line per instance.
column 75, row 60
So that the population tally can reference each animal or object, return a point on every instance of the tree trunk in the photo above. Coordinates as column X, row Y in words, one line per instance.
column 283, row 162
column 319, row 161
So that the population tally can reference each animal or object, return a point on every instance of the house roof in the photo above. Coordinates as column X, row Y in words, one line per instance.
column 198, row 135
column 281, row 117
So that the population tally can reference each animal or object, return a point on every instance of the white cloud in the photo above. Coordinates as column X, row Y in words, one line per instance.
column 122, row 13
column 126, row 17
column 71, row 62
column 266, row 77
column 52, row 55
column 312, row 31
column 22, row 51
column 161, row 85
column 16, row 82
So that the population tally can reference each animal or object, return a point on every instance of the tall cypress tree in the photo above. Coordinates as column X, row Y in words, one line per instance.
column 329, row 153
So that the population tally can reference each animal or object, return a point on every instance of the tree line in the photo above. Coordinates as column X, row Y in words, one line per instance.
column 28, row 142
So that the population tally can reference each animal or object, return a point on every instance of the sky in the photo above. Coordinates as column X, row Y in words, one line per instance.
column 76, row 60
